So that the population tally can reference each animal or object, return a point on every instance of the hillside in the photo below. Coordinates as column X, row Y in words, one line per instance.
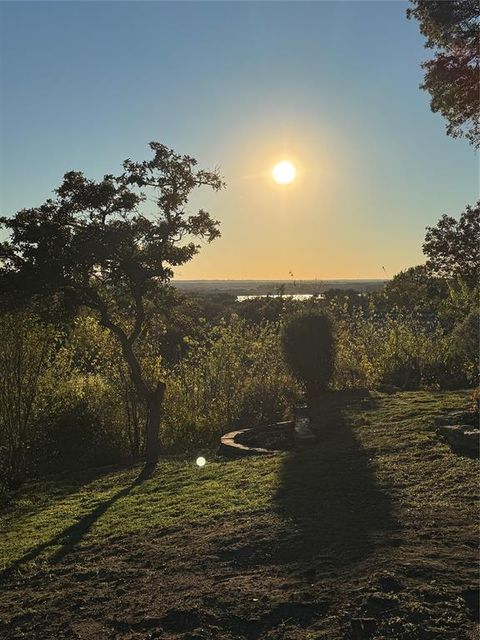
column 376, row 523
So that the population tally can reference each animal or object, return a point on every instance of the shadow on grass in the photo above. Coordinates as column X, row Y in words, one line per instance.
column 331, row 492
column 37, row 494
column 333, row 511
column 70, row 537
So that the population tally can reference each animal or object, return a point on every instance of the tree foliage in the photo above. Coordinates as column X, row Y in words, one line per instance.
column 26, row 348
column 452, row 246
column 452, row 29
column 466, row 342
column 415, row 290
column 97, row 246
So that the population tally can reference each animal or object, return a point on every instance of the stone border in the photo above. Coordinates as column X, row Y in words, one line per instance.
column 463, row 439
column 229, row 447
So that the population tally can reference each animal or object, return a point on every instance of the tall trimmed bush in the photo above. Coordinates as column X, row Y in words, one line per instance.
column 309, row 349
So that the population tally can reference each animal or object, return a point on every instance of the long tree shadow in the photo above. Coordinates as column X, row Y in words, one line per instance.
column 331, row 491
column 40, row 493
column 70, row 537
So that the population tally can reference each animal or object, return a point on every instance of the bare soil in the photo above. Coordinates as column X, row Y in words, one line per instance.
column 359, row 542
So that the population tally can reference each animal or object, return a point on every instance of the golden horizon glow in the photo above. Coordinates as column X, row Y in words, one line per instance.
column 284, row 172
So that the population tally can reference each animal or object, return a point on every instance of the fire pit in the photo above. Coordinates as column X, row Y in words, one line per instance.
column 259, row 440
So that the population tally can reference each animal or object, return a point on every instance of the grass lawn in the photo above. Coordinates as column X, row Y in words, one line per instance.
column 378, row 522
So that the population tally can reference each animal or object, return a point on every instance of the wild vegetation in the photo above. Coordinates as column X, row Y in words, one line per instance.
column 93, row 247
column 68, row 399
column 367, row 533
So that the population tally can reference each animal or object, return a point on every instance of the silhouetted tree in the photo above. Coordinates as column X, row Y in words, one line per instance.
column 309, row 349
column 415, row 290
column 452, row 28
column 258, row 310
column 93, row 244
column 452, row 246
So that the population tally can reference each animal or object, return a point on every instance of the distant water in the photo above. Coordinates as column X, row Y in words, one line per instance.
column 296, row 289
column 292, row 296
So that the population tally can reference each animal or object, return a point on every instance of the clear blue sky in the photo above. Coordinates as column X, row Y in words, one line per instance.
column 333, row 86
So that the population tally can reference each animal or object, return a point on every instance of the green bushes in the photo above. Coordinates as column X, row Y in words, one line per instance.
column 27, row 348
column 465, row 345
column 75, row 438
column 236, row 378
column 67, row 401
column 403, row 352
column 60, row 398
column 90, row 368
column 309, row 350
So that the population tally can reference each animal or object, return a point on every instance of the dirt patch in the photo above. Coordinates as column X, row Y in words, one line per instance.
column 366, row 536
column 249, row 577
column 182, row 582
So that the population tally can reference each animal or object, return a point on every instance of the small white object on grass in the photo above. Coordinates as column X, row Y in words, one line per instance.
column 201, row 462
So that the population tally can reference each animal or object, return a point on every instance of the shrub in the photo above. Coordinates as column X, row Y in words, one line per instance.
column 402, row 351
column 465, row 345
column 309, row 349
column 27, row 347
column 89, row 371
column 236, row 378
column 74, row 438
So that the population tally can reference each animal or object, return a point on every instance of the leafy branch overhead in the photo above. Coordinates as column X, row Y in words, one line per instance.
column 452, row 29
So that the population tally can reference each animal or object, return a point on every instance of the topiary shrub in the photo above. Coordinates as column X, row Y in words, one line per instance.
column 309, row 350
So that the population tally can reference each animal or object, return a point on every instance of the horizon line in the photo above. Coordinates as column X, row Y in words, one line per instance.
column 280, row 280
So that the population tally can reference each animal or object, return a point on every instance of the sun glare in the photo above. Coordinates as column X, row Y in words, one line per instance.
column 284, row 172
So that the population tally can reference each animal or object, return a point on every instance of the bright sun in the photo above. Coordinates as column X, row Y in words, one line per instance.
column 284, row 172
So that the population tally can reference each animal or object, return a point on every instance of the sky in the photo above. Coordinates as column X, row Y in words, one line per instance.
column 331, row 86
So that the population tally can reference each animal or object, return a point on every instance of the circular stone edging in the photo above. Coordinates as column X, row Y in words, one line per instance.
column 229, row 447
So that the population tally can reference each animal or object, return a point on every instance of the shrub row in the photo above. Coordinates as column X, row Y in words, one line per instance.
column 66, row 400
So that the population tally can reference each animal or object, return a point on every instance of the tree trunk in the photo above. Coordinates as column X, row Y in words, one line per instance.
column 312, row 391
column 153, row 399
column 154, row 406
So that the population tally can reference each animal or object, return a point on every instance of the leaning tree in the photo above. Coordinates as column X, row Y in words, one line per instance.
column 112, row 246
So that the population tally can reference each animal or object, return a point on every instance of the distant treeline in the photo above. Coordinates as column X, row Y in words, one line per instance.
column 274, row 287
